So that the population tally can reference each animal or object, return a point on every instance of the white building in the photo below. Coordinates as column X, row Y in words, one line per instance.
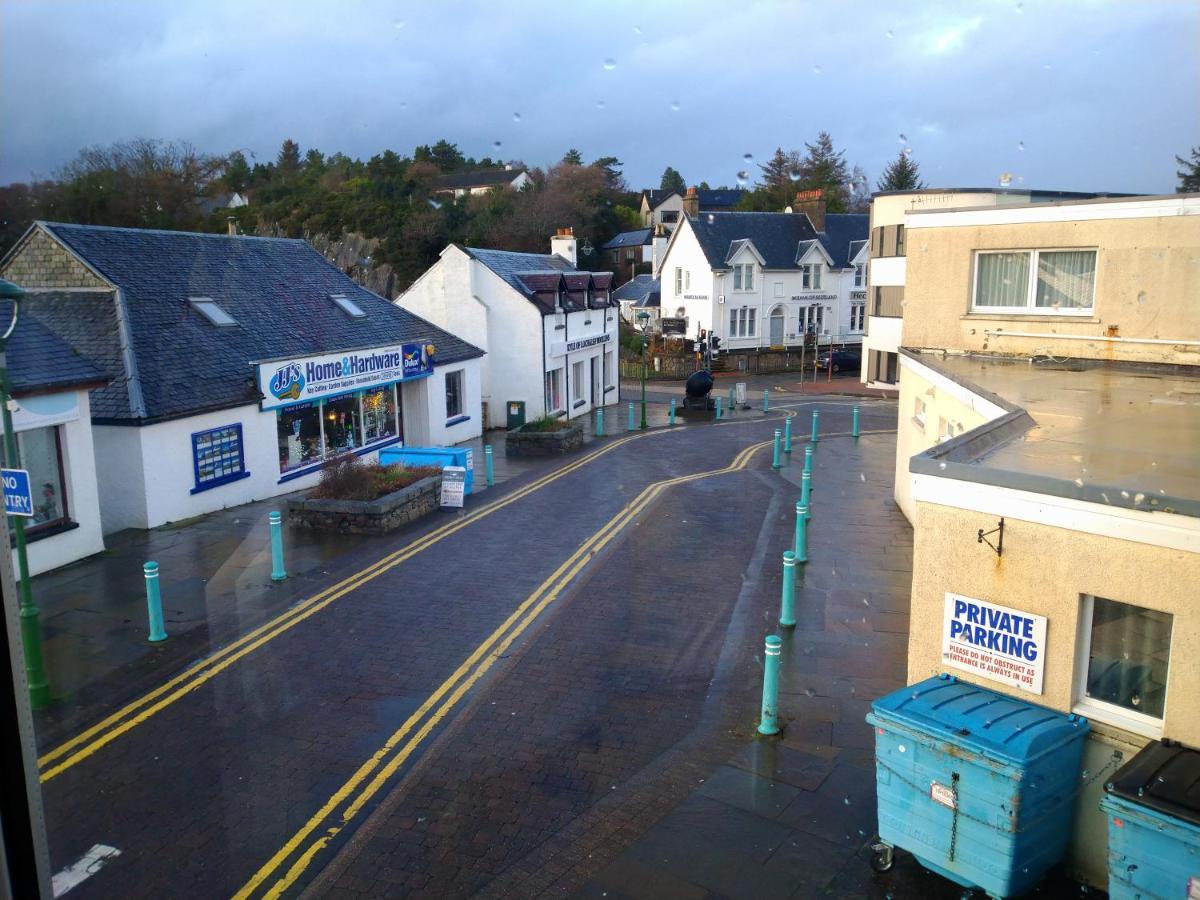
column 666, row 208
column 549, row 329
column 237, row 366
column 481, row 181
column 765, row 280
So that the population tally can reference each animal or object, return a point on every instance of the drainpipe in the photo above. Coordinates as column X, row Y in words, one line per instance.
column 1000, row 332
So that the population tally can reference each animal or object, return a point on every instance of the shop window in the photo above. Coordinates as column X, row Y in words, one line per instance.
column 340, row 418
column 379, row 414
column 454, row 394
column 577, row 383
column 218, row 457
column 40, row 453
column 299, row 431
column 607, row 369
column 554, row 398
column 1125, row 655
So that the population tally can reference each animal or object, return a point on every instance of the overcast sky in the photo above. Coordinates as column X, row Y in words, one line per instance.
column 1073, row 96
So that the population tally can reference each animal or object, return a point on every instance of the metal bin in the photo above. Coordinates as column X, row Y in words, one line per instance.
column 978, row 786
column 1153, row 809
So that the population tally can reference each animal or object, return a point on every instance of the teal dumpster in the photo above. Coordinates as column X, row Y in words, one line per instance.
column 977, row 785
column 1153, row 810
column 432, row 456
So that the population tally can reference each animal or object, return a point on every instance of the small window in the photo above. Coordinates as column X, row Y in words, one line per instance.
column 810, row 276
column 208, row 308
column 217, row 456
column 1125, row 659
column 860, row 275
column 737, row 278
column 678, row 281
column 577, row 382
column 748, row 276
column 778, row 288
column 607, row 369
column 454, row 394
column 554, row 399
column 348, row 306
column 919, row 412
column 750, row 322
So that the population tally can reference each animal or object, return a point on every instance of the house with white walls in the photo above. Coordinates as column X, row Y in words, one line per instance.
column 762, row 281
column 550, row 330
column 665, row 208
column 235, row 366
column 481, row 181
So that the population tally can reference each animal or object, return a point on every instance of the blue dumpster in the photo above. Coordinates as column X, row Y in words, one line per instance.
column 1153, row 810
column 432, row 456
column 978, row 786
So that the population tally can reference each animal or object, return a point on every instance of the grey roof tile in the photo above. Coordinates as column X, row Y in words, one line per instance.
column 39, row 360
column 629, row 239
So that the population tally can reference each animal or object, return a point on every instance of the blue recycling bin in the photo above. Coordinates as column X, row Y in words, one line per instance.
column 433, row 456
column 1153, row 809
column 978, row 786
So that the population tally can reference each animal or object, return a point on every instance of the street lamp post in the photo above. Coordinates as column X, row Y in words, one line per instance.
column 31, row 629
column 643, row 317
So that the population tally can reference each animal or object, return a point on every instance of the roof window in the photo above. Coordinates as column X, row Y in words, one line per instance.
column 208, row 308
column 348, row 306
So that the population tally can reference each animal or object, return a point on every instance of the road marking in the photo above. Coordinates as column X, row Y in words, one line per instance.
column 82, row 869
column 457, row 685
column 128, row 717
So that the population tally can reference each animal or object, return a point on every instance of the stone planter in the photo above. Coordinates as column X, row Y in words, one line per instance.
column 520, row 442
column 377, row 516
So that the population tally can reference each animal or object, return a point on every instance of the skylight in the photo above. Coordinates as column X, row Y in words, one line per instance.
column 208, row 308
column 348, row 306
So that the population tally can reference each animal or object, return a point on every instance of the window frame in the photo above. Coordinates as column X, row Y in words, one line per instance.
column 577, row 379
column 1101, row 710
column 197, row 436
column 678, row 280
column 460, row 388
column 1030, row 308
column 364, row 447
column 552, row 386
column 860, row 275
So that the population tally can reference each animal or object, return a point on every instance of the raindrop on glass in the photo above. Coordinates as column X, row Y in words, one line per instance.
column 1020, row 8
column 903, row 139
column 816, row 70
column 637, row 30
column 398, row 24
column 809, row 692
column 890, row 35
column 942, row 465
column 862, row 477
column 743, row 178
column 516, row 117
column 610, row 64
column 1047, row 67
column 846, row 800
column 1005, row 179
column 748, row 157
column 1138, row 498
column 907, row 151
column 1078, row 482
column 674, row 106
column 496, row 144
column 1136, row 700
column 1020, row 145
column 901, row 748
column 434, row 203
column 1085, row 774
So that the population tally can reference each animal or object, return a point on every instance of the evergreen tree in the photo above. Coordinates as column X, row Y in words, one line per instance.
column 288, row 162
column 672, row 181
column 901, row 174
column 778, row 175
column 237, row 171
column 611, row 167
column 1189, row 175
column 823, row 168
column 573, row 157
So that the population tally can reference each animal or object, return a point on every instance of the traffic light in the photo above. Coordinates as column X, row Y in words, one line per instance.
column 701, row 348
column 716, row 343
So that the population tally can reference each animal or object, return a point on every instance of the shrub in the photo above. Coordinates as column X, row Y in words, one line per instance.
column 347, row 477
column 546, row 423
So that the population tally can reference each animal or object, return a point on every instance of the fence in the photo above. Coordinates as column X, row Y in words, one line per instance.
column 672, row 367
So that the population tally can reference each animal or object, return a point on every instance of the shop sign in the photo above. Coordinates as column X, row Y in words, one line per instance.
column 674, row 326
column 996, row 642
column 454, row 483
column 291, row 381
column 695, row 296
column 814, row 297
column 562, row 348
column 858, row 295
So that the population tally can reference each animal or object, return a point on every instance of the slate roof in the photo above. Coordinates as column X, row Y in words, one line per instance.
column 538, row 276
column 841, row 231
column 775, row 235
column 721, row 199
column 40, row 361
column 643, row 290
column 87, row 320
column 629, row 239
column 479, row 178
column 276, row 289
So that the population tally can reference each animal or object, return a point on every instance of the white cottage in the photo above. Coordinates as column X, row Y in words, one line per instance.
column 549, row 329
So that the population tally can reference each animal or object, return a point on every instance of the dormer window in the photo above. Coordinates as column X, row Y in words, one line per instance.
column 743, row 277
column 208, row 308
column 860, row 275
column 810, row 276
column 348, row 306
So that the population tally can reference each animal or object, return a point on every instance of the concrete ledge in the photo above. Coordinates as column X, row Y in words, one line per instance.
column 377, row 516
column 520, row 442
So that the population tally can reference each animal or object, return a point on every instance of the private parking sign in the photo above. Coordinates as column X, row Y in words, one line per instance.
column 18, row 498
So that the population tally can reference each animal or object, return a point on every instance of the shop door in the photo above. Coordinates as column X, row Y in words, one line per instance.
column 595, row 380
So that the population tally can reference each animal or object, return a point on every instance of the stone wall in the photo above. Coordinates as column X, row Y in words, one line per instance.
column 368, row 516
column 520, row 442
column 42, row 262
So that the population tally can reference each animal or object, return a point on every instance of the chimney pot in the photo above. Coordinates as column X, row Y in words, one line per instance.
column 231, row 225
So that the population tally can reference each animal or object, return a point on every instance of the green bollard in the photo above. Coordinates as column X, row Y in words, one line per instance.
column 766, row 400
column 731, row 400
column 718, row 408
column 154, row 602
column 816, row 419
column 775, row 455
column 806, row 489
column 488, row 465
column 769, row 723
column 600, row 422
column 672, row 410
column 854, row 424
column 787, row 436
column 278, row 573
column 631, row 425
column 808, row 451
column 787, row 601
column 801, row 545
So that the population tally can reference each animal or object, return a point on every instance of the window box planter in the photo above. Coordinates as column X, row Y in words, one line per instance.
column 525, row 442
column 378, row 516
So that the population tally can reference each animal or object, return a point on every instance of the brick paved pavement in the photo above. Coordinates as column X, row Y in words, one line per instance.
column 602, row 691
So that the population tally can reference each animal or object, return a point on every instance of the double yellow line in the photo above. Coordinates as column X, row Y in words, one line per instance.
column 373, row 774
column 87, row 742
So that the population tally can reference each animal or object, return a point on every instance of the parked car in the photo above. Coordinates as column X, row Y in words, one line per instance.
column 848, row 361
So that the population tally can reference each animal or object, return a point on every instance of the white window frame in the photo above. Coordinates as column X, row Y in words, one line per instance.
column 779, row 290
column 858, row 310
column 1029, row 309
column 553, row 381
column 919, row 411
column 678, row 280
column 810, row 276
column 750, row 329
column 1099, row 710
column 606, row 366
column 458, row 376
column 577, row 376
column 860, row 275
column 748, row 277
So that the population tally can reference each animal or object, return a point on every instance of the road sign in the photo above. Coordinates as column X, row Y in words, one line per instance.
column 18, row 498
column 454, row 482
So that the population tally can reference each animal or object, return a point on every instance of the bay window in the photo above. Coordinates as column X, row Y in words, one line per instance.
column 1035, row 281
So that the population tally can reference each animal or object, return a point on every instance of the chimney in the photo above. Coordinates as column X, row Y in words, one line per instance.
column 691, row 203
column 813, row 204
column 231, row 225
column 658, row 248
column 563, row 244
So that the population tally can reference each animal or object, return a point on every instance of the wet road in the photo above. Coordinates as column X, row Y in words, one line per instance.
column 467, row 697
